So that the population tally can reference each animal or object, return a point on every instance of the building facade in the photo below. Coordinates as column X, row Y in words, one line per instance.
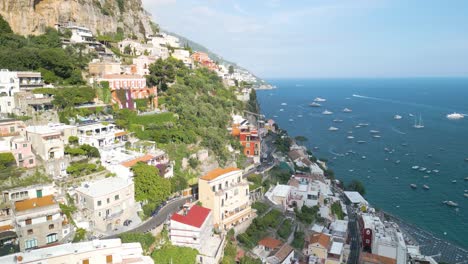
column 100, row 135
column 49, row 141
column 226, row 193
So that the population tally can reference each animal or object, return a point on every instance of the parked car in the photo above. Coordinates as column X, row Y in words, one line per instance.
column 127, row 222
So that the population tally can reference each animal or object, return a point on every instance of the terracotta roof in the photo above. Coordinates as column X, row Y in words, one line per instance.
column 283, row 252
column 217, row 172
column 195, row 217
column 240, row 254
column 321, row 239
column 121, row 133
column 132, row 162
column 269, row 242
column 122, row 76
column 6, row 227
column 34, row 203
column 372, row 258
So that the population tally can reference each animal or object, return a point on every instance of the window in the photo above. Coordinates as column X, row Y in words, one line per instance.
column 51, row 226
column 109, row 259
column 226, row 184
column 220, row 186
column 49, row 218
column 30, row 232
column 20, row 156
column 51, row 238
column 108, row 200
column 32, row 243
column 238, row 179
column 116, row 197
column 213, row 188
column 28, row 221
column 25, row 145
column 31, row 161
column 12, row 129
column 246, row 191
column 99, row 203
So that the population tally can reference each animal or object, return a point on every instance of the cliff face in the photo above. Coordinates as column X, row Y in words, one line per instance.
column 104, row 16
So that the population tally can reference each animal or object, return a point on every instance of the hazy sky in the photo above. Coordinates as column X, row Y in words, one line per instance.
column 327, row 38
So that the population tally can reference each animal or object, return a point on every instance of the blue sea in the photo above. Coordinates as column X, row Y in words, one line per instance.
column 386, row 171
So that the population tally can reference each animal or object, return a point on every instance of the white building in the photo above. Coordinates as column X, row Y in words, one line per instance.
column 163, row 39
column 355, row 198
column 339, row 229
column 284, row 255
column 99, row 134
column 80, row 34
column 48, row 141
column 280, row 195
column 9, row 85
column 143, row 63
column 184, row 56
column 194, row 228
column 135, row 47
column 109, row 251
column 105, row 204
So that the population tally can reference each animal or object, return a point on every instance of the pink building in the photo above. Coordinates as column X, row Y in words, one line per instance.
column 21, row 149
column 124, row 81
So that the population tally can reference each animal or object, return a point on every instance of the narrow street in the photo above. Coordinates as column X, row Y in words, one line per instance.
column 353, row 236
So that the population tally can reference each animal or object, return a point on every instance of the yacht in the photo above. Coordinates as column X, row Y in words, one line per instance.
column 374, row 131
column 361, row 141
column 411, row 115
column 281, row 110
column 333, row 128
column 397, row 162
column 376, row 136
column 318, row 99
column 422, row 169
column 284, row 104
column 364, row 157
column 451, row 203
column 426, row 176
column 426, row 187
column 350, row 137
column 314, row 104
column 466, row 195
column 358, row 126
column 397, row 117
column 418, row 123
column 455, row 116
column 338, row 120
column 415, row 167
column 466, row 179
column 363, row 124
column 347, row 110
column 291, row 120
column 414, row 186
column 326, row 112
column 436, row 171
column 454, row 181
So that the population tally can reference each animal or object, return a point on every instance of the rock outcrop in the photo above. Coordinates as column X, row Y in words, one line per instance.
column 28, row 17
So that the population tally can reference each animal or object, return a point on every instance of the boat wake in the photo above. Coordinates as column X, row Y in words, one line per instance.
column 398, row 131
column 401, row 102
column 334, row 153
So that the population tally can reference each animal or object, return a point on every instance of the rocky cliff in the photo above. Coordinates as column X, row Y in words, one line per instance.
column 101, row 16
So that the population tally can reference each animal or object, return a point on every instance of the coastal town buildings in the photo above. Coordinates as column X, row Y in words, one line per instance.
column 156, row 158
column 142, row 64
column 105, row 204
column 12, row 140
column 109, row 251
column 226, row 193
column 48, row 141
column 248, row 136
column 284, row 255
column 13, row 82
column 193, row 227
column 100, row 68
column 100, row 135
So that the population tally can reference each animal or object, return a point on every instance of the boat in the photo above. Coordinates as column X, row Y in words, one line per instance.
column 350, row 137
column 374, row 131
column 363, row 157
column 333, row 128
column 361, row 141
column 347, row 110
column 451, row 203
column 466, row 179
column 284, row 104
column 466, row 159
column 415, row 167
column 422, row 169
column 299, row 115
column 397, row 162
column 455, row 116
column 426, row 187
column 358, row 126
column 426, row 176
column 363, row 124
column 397, row 117
column 314, row 104
column 350, row 132
column 466, row 195
column 281, row 110
column 326, row 112
column 318, row 99
column 418, row 123
column 338, row 120
column 376, row 136
column 414, row 186
column 436, row 171
column 291, row 120
column 411, row 115
column 454, row 181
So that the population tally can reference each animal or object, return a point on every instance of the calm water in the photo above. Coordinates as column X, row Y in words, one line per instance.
column 441, row 145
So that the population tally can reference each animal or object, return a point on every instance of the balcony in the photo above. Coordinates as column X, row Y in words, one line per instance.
column 230, row 187
column 113, row 215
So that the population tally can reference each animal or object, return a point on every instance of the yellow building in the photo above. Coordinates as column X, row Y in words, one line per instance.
column 226, row 193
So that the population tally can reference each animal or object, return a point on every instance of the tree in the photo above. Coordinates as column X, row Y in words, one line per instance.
column 301, row 139
column 357, row 186
column 164, row 72
column 231, row 69
column 127, row 49
column 4, row 27
column 173, row 254
column 149, row 186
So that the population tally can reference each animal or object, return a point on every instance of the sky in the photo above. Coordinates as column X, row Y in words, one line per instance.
column 326, row 38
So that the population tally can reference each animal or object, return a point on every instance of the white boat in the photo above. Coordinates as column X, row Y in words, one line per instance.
column 422, row 169
column 291, row 120
column 374, row 131
column 466, row 179
column 436, row 171
column 426, row 176
column 314, row 104
column 414, row 186
column 333, row 128
column 347, row 110
column 451, row 203
column 318, row 99
column 426, row 187
column 418, row 123
column 454, row 181
column 397, row 161
column 410, row 114
column 466, row 195
column 455, row 116
column 397, row 117
column 357, row 126
column 284, row 104
column 376, row 136
column 350, row 137
column 350, row 132
column 363, row 124
column 361, row 142
column 415, row 167
column 281, row 110
column 338, row 120
column 364, row 157
column 326, row 112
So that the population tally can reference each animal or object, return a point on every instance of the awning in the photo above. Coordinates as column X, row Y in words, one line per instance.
column 7, row 235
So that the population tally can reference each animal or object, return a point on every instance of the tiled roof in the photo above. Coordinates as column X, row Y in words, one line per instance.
column 34, row 203
column 283, row 252
column 132, row 162
column 270, row 242
column 5, row 227
column 217, row 172
column 321, row 239
column 121, row 133
column 195, row 217
column 122, row 76
column 376, row 259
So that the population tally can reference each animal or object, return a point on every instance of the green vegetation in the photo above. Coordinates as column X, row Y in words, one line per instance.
column 259, row 228
column 301, row 139
column 146, row 239
column 7, row 160
column 283, row 142
column 80, row 235
column 103, row 92
column 164, row 72
column 307, row 214
column 42, row 53
column 172, row 254
column 83, row 150
column 298, row 242
column 255, row 180
column 356, row 186
column 150, row 187
column 82, row 168
column 280, row 174
column 260, row 207
column 10, row 178
column 337, row 210
column 285, row 229
column 73, row 140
